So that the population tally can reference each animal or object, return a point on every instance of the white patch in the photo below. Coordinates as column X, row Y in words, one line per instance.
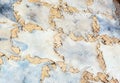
column 55, row 2
column 79, row 4
column 33, row 13
column 81, row 55
column 111, row 55
column 78, row 23
column 40, row 43
column 102, row 6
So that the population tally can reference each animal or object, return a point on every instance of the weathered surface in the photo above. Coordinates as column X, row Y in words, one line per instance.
column 59, row 41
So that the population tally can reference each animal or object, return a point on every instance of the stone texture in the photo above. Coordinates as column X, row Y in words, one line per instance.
column 59, row 41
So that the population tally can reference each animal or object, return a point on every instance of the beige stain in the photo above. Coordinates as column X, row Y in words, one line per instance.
column 30, row 27
column 15, row 58
column 56, row 12
column 89, row 2
column 16, row 50
column 36, row 60
column 45, row 72
column 69, row 9
column 73, row 37
column 100, row 58
column 1, row 54
column 73, row 70
column 57, row 39
column 19, row 19
column 34, row 1
column 1, row 61
column 87, row 77
column 109, row 40
column 95, row 25
column 103, row 77
column 62, row 65
column 14, row 32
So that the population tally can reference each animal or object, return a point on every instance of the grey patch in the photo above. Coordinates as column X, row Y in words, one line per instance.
column 27, row 6
column 24, row 79
column 21, row 45
column 3, row 39
column 6, row 9
column 38, row 5
column 106, row 26
column 32, row 16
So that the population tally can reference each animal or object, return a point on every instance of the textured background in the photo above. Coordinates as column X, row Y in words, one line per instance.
column 59, row 41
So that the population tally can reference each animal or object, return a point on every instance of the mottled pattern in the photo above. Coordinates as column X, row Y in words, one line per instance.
column 59, row 41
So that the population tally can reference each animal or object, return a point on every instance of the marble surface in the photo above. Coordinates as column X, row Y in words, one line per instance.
column 59, row 41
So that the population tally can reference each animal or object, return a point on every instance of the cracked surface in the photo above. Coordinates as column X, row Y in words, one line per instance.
column 59, row 41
